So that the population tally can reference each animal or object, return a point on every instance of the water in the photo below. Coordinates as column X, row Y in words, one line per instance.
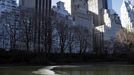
column 70, row 70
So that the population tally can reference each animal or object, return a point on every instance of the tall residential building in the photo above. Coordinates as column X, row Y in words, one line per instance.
column 96, row 8
column 34, row 3
column 107, row 4
column 89, row 12
column 80, row 13
column 78, row 9
column 127, row 15
column 7, row 5
column 42, row 23
column 111, row 28
column 82, row 17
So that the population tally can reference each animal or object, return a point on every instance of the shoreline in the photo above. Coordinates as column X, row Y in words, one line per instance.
column 71, row 64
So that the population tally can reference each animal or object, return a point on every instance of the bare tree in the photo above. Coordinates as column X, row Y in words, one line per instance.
column 83, row 38
column 10, row 22
column 125, row 38
column 62, row 30
column 26, row 20
column 71, row 39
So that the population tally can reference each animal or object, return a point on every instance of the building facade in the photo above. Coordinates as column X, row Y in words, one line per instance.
column 7, row 5
column 82, row 17
column 78, row 9
column 85, row 6
column 90, row 13
column 42, row 23
column 96, row 8
column 111, row 28
column 25, row 3
column 127, row 15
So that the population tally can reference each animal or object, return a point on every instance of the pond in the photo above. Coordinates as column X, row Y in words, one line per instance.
column 70, row 70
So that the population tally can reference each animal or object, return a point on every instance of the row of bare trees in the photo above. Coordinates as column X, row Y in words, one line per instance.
column 26, row 24
column 19, row 26
column 9, row 22
column 69, row 38
column 72, row 39
column 18, row 29
column 18, row 33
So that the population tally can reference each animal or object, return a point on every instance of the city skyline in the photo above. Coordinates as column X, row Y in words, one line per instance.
column 116, row 4
column 71, row 33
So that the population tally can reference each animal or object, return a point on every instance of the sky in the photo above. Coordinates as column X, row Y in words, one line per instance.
column 115, row 3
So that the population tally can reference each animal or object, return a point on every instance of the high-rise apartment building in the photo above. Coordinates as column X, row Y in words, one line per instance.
column 97, row 4
column 96, row 8
column 127, row 15
column 89, row 13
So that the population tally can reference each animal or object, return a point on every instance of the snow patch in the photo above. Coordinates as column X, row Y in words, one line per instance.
column 46, row 71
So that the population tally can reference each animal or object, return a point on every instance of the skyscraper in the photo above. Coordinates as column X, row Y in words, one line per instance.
column 96, row 8
column 93, row 5
column 42, row 23
column 127, row 16
column 81, row 16
column 27, row 3
column 96, row 5
column 81, row 9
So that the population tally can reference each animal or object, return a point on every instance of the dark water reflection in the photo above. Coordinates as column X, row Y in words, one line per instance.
column 17, row 70
column 99, row 70
column 77, row 70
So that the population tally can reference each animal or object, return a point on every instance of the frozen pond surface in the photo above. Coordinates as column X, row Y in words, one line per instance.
column 70, row 70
